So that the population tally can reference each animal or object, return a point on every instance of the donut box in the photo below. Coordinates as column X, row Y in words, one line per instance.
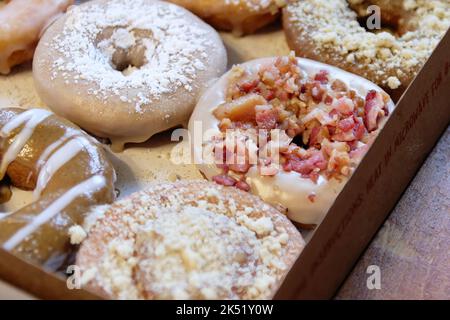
column 420, row 117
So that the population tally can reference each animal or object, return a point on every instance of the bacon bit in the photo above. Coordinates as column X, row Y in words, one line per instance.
column 282, row 95
column 339, row 86
column 241, row 109
column 317, row 92
column 374, row 108
column 240, row 168
column 359, row 130
column 225, row 180
column 307, row 166
column 338, row 161
column 269, row 95
column 248, row 85
column 268, row 171
column 346, row 124
column 314, row 176
column 303, row 89
column 318, row 134
column 243, row 186
column 349, row 129
column 312, row 197
column 322, row 76
column 328, row 100
column 344, row 106
column 267, row 119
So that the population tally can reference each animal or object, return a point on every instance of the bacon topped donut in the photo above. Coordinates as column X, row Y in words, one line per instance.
column 329, row 31
column 289, row 130
column 21, row 24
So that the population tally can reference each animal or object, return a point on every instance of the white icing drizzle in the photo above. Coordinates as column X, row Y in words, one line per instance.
column 57, row 160
column 31, row 118
column 86, row 187
column 55, row 145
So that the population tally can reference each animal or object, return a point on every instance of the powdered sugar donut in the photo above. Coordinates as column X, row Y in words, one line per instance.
column 126, row 70
column 22, row 22
column 328, row 31
column 290, row 130
column 239, row 16
column 188, row 240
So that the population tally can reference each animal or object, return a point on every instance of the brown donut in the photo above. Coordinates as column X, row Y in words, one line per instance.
column 188, row 240
column 239, row 16
column 68, row 171
column 328, row 31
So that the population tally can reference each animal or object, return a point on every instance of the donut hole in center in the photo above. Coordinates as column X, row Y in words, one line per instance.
column 298, row 141
column 390, row 20
column 126, row 60
column 127, row 49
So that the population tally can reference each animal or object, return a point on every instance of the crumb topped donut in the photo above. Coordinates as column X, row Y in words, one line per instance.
column 68, row 171
column 289, row 130
column 328, row 31
column 239, row 16
column 126, row 70
column 22, row 22
column 188, row 240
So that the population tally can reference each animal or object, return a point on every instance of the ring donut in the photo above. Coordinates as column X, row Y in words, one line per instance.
column 288, row 129
column 239, row 16
column 22, row 22
column 328, row 31
column 188, row 240
column 67, row 170
column 127, row 76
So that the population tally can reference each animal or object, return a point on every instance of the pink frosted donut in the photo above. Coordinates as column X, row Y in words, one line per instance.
column 302, row 126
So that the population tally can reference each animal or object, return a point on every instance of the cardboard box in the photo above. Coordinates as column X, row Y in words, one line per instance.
column 421, row 116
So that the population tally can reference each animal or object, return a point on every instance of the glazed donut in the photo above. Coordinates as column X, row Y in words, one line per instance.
column 288, row 129
column 67, row 170
column 188, row 240
column 22, row 22
column 126, row 70
column 239, row 16
column 328, row 31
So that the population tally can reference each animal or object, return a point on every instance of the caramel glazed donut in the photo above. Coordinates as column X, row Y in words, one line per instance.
column 126, row 70
column 67, row 170
column 188, row 240
column 239, row 16
column 22, row 22
column 307, row 124
column 328, row 31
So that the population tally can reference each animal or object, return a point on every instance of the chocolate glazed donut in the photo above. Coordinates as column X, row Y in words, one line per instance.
column 68, row 171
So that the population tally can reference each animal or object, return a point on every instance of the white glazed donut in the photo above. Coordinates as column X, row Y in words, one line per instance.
column 126, row 70
column 304, row 100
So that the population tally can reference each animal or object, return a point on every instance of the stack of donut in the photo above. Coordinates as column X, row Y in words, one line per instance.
column 280, row 136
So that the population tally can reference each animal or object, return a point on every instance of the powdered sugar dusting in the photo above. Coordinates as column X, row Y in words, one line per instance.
column 154, row 40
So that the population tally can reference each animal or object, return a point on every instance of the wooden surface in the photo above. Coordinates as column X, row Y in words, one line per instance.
column 412, row 249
